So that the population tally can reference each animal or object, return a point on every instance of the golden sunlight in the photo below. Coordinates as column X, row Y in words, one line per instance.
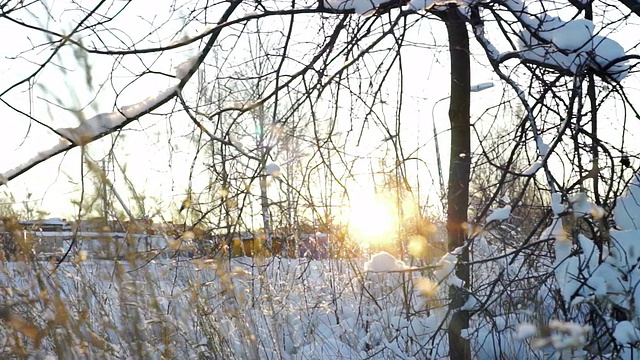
column 372, row 219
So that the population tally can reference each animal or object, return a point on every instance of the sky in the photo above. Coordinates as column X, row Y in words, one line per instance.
column 155, row 150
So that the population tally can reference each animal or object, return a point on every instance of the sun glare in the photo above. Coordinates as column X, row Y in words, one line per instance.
column 372, row 219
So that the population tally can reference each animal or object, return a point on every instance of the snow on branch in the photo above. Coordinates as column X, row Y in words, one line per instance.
column 566, row 46
column 185, row 68
column 61, row 146
column 92, row 129
column 627, row 211
column 369, row 7
column 499, row 214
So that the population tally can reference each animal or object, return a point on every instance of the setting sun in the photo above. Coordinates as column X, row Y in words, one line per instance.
column 372, row 219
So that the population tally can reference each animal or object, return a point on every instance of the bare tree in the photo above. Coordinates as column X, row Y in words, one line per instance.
column 252, row 81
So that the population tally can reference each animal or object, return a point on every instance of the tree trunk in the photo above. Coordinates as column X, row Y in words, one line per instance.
column 459, row 169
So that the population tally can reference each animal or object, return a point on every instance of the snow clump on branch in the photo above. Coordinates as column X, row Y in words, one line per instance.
column 183, row 69
column 272, row 170
column 499, row 214
column 569, row 45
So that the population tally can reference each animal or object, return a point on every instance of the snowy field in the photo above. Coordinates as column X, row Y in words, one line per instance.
column 183, row 308
column 244, row 309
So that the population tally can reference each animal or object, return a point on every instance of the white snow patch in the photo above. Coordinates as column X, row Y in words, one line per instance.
column 91, row 128
column 84, row 133
column 582, row 206
column 181, row 40
column 40, row 156
column 554, row 231
column 384, row 262
column 416, row 5
column 627, row 210
column 361, row 7
column 515, row 5
column 470, row 304
column 625, row 249
column 101, row 123
column 239, row 105
column 533, row 168
column 569, row 44
column 626, row 333
column 232, row 105
column 272, row 170
column 543, row 148
column 525, row 330
column 590, row 253
column 608, row 50
column 446, row 271
column 183, row 69
column 556, row 204
column 367, row 7
column 598, row 284
column 235, row 142
column 573, row 34
column 499, row 214
column 570, row 335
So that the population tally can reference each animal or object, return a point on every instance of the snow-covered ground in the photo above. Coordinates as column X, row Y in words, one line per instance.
column 242, row 308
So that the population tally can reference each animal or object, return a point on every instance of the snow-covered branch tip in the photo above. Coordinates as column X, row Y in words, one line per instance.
column 92, row 129
column 102, row 124
column 383, row 262
column 62, row 146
